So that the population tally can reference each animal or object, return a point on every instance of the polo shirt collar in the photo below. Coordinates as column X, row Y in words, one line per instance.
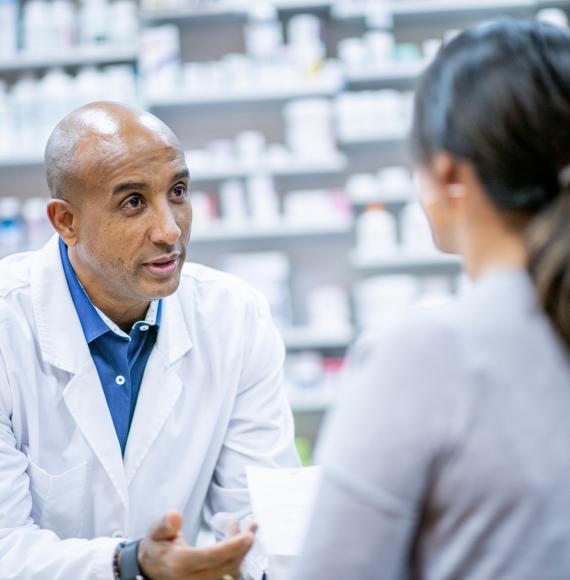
column 94, row 322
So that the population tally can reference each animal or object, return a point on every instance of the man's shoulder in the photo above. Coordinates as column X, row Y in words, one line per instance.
column 203, row 278
column 204, row 288
column 15, row 273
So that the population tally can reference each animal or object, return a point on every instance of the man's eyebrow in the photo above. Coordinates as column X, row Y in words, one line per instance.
column 182, row 174
column 128, row 186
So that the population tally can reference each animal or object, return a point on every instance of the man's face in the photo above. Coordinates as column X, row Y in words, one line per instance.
column 134, row 218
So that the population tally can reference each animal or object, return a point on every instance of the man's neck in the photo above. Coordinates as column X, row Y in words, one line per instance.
column 124, row 313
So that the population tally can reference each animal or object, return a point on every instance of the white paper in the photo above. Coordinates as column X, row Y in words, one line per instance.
column 281, row 501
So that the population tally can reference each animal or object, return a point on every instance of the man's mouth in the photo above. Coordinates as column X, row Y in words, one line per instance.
column 164, row 266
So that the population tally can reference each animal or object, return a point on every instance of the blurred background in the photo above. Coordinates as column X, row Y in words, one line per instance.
column 293, row 115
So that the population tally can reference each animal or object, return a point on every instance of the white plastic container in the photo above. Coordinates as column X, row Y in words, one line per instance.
column 55, row 91
column 25, row 115
column 328, row 310
column 395, row 182
column 12, row 235
column 159, row 59
column 9, row 28
column 306, row 47
column 362, row 188
column 94, row 19
column 268, row 272
column 89, row 86
column 416, row 233
column 233, row 204
column 38, row 228
column 64, row 18
column 380, row 45
column 120, row 83
column 123, row 30
column 309, row 129
column 376, row 233
column 263, row 33
column 37, row 27
column 263, row 199
column 382, row 298
column 6, row 138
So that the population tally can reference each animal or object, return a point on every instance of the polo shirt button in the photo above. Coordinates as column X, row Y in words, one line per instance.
column 120, row 380
column 143, row 327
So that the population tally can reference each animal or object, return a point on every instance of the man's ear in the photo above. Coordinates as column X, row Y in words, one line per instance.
column 63, row 217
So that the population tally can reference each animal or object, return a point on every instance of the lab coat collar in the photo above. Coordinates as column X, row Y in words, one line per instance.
column 60, row 334
column 61, row 337
column 63, row 344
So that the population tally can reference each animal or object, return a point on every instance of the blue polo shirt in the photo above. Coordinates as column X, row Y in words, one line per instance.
column 120, row 358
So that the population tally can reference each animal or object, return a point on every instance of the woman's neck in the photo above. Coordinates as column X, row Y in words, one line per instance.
column 493, row 247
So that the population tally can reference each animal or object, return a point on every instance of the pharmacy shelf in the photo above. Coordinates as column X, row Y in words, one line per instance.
column 371, row 140
column 21, row 161
column 217, row 10
column 417, row 9
column 312, row 401
column 78, row 56
column 422, row 8
column 405, row 262
column 302, row 5
column 216, row 233
column 307, row 338
column 397, row 198
column 227, row 10
column 328, row 88
column 385, row 74
column 292, row 168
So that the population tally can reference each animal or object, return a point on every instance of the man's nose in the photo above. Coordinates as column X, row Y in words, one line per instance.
column 165, row 229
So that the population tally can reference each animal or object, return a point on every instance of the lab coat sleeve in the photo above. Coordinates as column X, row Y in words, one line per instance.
column 260, row 431
column 26, row 551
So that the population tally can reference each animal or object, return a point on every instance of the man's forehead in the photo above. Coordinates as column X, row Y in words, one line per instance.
column 125, row 145
column 98, row 122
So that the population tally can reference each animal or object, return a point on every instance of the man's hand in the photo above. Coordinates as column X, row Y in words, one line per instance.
column 164, row 555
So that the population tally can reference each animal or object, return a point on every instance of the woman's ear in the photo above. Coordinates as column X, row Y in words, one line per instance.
column 449, row 175
column 63, row 217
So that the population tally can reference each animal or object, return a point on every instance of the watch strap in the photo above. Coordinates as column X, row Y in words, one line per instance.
column 129, row 568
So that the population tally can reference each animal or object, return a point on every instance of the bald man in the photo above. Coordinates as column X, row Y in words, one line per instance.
column 134, row 387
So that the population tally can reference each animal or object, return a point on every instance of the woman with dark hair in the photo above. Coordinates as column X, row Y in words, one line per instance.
column 448, row 454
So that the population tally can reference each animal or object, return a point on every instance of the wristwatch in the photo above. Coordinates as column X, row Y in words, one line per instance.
column 129, row 568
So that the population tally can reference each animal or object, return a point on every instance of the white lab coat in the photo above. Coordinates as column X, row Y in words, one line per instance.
column 211, row 402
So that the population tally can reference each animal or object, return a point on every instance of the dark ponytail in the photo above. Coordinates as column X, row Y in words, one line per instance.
column 498, row 96
column 548, row 239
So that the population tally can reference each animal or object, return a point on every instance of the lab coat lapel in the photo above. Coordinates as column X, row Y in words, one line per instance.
column 86, row 402
column 161, row 386
column 63, row 345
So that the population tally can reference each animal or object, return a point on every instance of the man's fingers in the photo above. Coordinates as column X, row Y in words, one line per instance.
column 233, row 549
column 167, row 528
column 231, row 568
column 252, row 528
column 233, row 528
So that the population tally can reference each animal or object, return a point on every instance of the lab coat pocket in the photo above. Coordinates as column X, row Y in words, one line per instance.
column 57, row 500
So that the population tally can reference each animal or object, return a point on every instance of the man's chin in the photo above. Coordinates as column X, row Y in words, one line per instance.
column 155, row 289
